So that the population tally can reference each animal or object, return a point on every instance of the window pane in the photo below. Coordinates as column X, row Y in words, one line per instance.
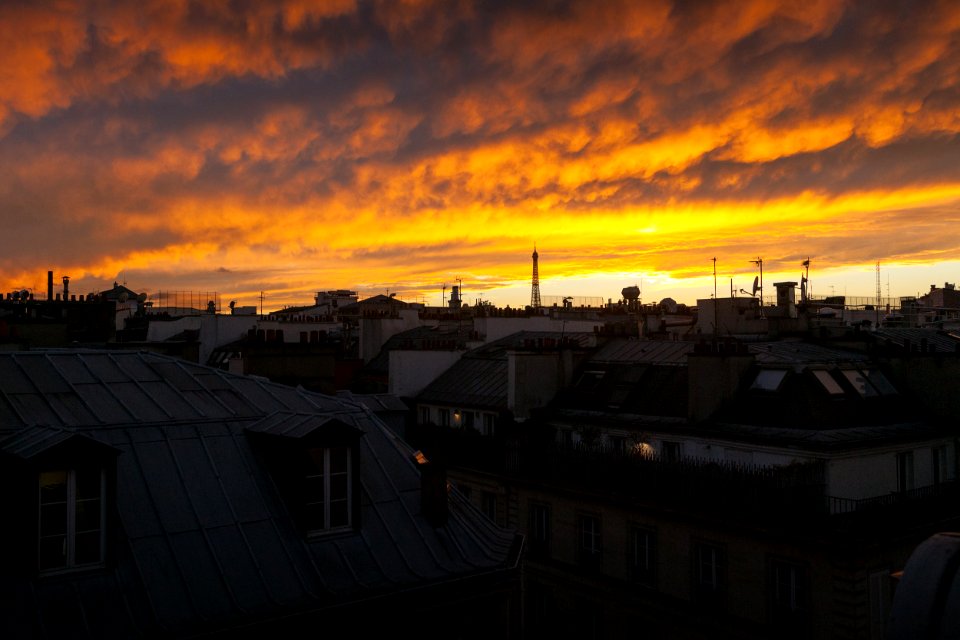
column 88, row 483
column 859, row 382
column 53, row 487
column 769, row 379
column 338, row 459
column 828, row 383
column 313, row 516
column 53, row 552
column 338, row 514
column 338, row 486
column 316, row 456
column 88, row 515
column 88, row 547
column 53, row 519
column 313, row 485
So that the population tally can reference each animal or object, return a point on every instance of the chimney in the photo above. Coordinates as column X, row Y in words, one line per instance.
column 49, row 285
column 714, row 373
column 433, row 491
column 66, row 288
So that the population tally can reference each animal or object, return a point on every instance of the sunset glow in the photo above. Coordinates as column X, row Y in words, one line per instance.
column 293, row 147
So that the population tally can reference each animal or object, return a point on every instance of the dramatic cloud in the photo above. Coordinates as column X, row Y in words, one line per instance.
column 398, row 145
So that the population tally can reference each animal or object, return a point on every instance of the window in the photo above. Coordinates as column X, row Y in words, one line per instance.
column 72, row 519
column 709, row 580
column 768, row 379
column 938, row 464
column 829, row 384
column 468, row 419
column 588, row 538
column 905, row 471
column 788, row 592
column 616, row 444
column 488, row 423
column 424, row 415
column 328, row 490
column 670, row 451
column 642, row 555
column 859, row 382
column 444, row 417
column 488, row 504
column 540, row 529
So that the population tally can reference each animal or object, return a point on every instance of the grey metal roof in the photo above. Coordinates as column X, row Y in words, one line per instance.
column 942, row 341
column 206, row 540
column 789, row 352
column 470, row 382
column 644, row 351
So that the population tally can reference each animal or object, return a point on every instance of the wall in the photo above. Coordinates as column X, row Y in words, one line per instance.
column 533, row 379
column 496, row 328
column 411, row 371
column 374, row 332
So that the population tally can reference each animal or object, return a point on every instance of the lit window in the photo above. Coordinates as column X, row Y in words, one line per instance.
column 328, row 490
column 72, row 519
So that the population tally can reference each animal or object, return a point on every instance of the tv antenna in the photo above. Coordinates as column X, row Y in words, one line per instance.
column 758, row 283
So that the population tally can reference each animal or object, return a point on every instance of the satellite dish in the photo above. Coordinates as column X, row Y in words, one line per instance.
column 755, row 284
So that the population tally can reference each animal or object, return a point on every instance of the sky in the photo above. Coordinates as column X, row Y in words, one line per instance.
column 404, row 146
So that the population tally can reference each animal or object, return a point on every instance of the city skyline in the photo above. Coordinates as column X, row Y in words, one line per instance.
column 401, row 147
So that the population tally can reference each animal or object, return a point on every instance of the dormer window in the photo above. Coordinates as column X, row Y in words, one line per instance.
column 72, row 519
column 328, row 490
column 315, row 463
column 61, row 488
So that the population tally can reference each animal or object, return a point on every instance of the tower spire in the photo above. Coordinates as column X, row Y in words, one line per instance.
column 535, row 290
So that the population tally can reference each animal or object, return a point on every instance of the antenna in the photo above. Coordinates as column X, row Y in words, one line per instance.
column 878, row 294
column 756, row 286
column 715, row 301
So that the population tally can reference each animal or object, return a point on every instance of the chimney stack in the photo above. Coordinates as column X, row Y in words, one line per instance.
column 433, row 491
column 49, row 285
column 66, row 288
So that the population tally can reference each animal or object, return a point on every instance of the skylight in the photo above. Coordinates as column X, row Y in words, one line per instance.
column 829, row 384
column 859, row 382
column 769, row 379
column 880, row 382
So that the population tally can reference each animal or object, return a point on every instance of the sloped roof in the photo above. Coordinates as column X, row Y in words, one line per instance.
column 942, row 341
column 206, row 541
column 470, row 382
column 479, row 378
